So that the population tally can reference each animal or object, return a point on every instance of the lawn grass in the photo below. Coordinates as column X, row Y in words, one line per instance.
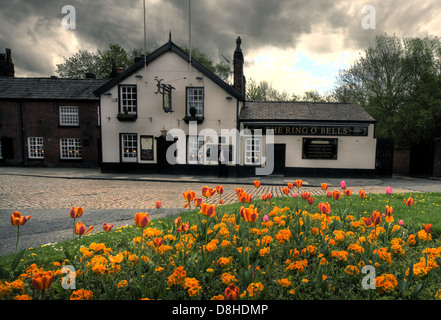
column 426, row 209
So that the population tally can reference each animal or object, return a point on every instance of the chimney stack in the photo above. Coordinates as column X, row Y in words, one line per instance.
column 6, row 66
column 239, row 78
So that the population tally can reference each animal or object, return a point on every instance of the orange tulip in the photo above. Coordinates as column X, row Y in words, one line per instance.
column 256, row 183
column 362, row 194
column 290, row 185
column 368, row 221
column 231, row 292
column 325, row 186
column 249, row 214
column 220, row 189
column 107, row 227
column 310, row 200
column 298, row 183
column 208, row 192
column 141, row 219
column 183, row 227
column 18, row 220
column 348, row 192
column 76, row 212
column 197, row 201
column 158, row 204
column 80, row 229
column 376, row 217
column 245, row 197
column 42, row 280
column 189, row 196
column 324, row 208
column 408, row 202
column 208, row 210
column 427, row 227
column 178, row 221
column 239, row 190
column 305, row 195
column 389, row 214
column 157, row 242
column 285, row 190
column 336, row 194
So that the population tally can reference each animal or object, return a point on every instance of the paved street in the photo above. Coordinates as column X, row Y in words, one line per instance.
column 48, row 194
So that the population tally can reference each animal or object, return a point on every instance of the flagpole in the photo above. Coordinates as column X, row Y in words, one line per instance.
column 189, row 27
column 145, row 37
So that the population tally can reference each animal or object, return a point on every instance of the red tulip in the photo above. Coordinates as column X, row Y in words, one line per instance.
column 298, row 183
column 158, row 204
column 285, row 190
column 256, row 183
column 183, row 227
column 324, row 208
column 76, row 212
column 427, row 227
column 157, row 242
column 197, row 201
column 325, row 186
column 80, row 229
column 18, row 220
column 178, row 221
column 208, row 210
column 376, row 217
column 141, row 219
column 42, row 280
column 231, row 292
column 362, row 194
column 107, row 227
column 310, row 200
column 336, row 194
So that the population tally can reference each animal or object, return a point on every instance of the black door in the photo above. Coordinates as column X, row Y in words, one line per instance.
column 279, row 158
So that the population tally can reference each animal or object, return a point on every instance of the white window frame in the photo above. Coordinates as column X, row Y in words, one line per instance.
column 195, row 98
column 35, row 148
column 69, row 116
column 128, row 98
column 253, row 150
column 195, row 152
column 70, row 148
column 129, row 147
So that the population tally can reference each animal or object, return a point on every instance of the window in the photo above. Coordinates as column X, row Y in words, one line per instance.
column 129, row 147
column 253, row 148
column 195, row 102
column 147, row 147
column 35, row 148
column 127, row 99
column 69, row 116
column 70, row 148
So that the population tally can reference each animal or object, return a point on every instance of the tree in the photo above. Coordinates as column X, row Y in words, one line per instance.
column 221, row 69
column 398, row 83
column 264, row 91
column 99, row 63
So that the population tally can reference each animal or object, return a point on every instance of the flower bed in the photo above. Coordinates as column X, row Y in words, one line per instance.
column 337, row 245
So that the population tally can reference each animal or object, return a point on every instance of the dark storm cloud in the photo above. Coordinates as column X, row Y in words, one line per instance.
column 30, row 28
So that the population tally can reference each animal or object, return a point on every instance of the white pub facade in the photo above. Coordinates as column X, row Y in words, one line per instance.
column 171, row 115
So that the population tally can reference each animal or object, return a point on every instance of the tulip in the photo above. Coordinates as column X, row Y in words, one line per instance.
column 324, row 186
column 107, row 227
column 305, row 195
column 231, row 292
column 42, row 280
column 368, row 222
column 269, row 196
column 249, row 214
column 80, row 229
column 298, row 183
column 427, row 227
column 290, row 185
column 329, row 194
column 263, row 197
column 348, row 192
column 388, row 191
column 178, row 221
column 376, row 217
column 207, row 192
column 324, row 208
column 336, row 194
column 265, row 218
column 158, row 204
column 157, row 242
column 239, row 190
column 220, row 189
column 362, row 194
column 310, row 200
column 76, row 212
column 294, row 195
column 256, row 183
column 189, row 196
column 183, row 227
column 401, row 222
column 141, row 219
column 343, row 185
column 408, row 202
column 208, row 210
column 285, row 190
column 197, row 201
column 18, row 220
column 389, row 213
column 245, row 197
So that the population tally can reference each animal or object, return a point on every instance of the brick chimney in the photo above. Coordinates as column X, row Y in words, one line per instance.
column 239, row 78
column 6, row 66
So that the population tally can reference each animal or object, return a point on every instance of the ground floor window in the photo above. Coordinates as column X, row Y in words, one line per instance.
column 195, row 152
column 253, row 150
column 35, row 148
column 129, row 147
column 70, row 148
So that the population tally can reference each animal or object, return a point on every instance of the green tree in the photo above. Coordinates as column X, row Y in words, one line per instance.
column 397, row 81
column 264, row 91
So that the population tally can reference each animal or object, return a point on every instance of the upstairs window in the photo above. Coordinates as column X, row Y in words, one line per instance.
column 69, row 116
column 128, row 99
column 195, row 102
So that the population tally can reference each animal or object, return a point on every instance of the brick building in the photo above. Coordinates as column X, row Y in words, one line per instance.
column 49, row 122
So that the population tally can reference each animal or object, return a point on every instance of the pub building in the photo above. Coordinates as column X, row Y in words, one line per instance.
column 168, row 105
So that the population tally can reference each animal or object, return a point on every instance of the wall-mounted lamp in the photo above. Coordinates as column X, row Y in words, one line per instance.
column 163, row 132
column 107, row 94
column 151, row 119
column 199, row 78
column 138, row 76
column 229, row 97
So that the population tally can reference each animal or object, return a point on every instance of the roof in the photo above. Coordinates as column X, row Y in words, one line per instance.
column 279, row 111
column 51, row 88
column 167, row 47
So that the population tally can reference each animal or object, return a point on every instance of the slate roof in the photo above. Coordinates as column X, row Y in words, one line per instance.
column 279, row 111
column 51, row 88
column 170, row 46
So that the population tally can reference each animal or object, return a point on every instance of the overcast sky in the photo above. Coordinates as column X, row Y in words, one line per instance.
column 296, row 45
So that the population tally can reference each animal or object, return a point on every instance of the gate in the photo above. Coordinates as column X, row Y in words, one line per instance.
column 384, row 157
